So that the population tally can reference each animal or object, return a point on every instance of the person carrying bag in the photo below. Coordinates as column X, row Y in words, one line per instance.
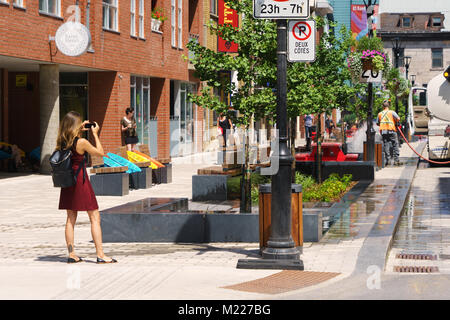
column 78, row 195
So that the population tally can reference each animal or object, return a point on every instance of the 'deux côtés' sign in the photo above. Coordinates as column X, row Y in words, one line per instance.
column 301, row 41
column 227, row 16
column 281, row 9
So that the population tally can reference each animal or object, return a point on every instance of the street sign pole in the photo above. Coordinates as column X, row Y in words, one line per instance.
column 281, row 252
column 280, row 246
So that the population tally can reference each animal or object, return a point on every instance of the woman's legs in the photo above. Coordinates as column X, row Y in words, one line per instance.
column 96, row 230
column 70, row 226
column 129, row 147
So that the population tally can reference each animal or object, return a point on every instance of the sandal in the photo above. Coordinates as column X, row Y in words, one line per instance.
column 101, row 261
column 72, row 260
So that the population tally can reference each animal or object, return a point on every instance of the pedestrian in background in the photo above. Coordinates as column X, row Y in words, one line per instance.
column 329, row 125
column 128, row 125
column 309, row 120
column 387, row 121
column 223, row 124
column 80, row 197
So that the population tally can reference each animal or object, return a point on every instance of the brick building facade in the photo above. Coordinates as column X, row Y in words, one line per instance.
column 129, row 63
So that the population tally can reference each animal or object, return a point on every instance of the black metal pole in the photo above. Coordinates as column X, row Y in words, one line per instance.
column 281, row 252
column 280, row 244
column 370, row 134
column 396, row 66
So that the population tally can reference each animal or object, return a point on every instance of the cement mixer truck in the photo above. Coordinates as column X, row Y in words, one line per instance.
column 438, row 109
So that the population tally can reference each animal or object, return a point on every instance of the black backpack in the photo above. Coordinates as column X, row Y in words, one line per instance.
column 62, row 172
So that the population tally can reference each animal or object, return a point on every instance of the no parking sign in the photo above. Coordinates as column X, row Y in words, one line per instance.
column 301, row 41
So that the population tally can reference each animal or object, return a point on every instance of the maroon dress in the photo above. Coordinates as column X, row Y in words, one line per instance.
column 81, row 196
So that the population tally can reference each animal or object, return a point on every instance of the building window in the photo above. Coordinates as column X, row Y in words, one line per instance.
column 180, row 24
column 213, row 7
column 436, row 22
column 19, row 3
column 173, row 22
column 133, row 17
column 436, row 58
column 110, row 15
column 140, row 102
column 406, row 22
column 141, row 18
column 52, row 7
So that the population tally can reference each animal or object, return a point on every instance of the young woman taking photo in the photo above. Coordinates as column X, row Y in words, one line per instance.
column 80, row 197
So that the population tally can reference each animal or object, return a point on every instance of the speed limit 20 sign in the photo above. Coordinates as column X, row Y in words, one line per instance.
column 281, row 9
column 301, row 41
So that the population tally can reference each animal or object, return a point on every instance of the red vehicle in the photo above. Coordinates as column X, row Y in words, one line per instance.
column 331, row 151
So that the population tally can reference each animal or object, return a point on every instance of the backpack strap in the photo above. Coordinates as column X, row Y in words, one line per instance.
column 81, row 166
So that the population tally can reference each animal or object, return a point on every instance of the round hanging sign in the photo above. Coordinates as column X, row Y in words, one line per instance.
column 72, row 39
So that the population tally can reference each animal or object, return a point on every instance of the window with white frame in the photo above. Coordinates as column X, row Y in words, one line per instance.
column 141, row 18
column 5, row 1
column 180, row 24
column 173, row 23
column 52, row 7
column 213, row 7
column 133, row 17
column 110, row 15
column 19, row 3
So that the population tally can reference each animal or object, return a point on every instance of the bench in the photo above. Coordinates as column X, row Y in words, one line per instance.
column 138, row 180
column 160, row 175
column 109, row 181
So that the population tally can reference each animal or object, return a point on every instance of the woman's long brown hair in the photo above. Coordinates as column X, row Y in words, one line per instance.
column 69, row 129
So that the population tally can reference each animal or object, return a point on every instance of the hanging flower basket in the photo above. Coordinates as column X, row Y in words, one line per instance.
column 367, row 64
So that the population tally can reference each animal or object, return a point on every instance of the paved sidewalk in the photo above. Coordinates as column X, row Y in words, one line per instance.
column 33, row 253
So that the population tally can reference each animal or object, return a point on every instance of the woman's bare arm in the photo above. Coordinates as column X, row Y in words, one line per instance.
column 84, row 145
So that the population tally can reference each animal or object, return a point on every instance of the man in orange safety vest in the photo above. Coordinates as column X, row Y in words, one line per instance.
column 388, row 120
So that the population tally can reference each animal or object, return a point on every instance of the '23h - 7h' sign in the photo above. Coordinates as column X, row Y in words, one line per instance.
column 281, row 9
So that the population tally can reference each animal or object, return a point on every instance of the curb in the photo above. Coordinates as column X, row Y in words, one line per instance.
column 375, row 249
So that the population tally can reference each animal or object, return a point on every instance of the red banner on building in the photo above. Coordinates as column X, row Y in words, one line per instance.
column 227, row 16
column 359, row 20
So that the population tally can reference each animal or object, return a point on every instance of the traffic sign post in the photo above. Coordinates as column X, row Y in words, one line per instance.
column 281, row 9
column 281, row 252
column 302, row 41
column 371, row 76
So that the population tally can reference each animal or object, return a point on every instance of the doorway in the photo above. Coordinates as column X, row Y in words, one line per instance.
column 73, row 93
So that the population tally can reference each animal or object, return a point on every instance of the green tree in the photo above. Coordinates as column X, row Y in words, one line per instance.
column 255, row 64
column 322, row 85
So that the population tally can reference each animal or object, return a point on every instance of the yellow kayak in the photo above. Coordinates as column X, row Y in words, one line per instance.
column 134, row 157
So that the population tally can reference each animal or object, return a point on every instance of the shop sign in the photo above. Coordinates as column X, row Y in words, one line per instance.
column 21, row 80
column 227, row 16
column 72, row 39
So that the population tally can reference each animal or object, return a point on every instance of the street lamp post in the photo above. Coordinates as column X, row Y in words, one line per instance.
column 370, row 133
column 281, row 252
column 396, row 48
column 413, row 79
column 407, row 63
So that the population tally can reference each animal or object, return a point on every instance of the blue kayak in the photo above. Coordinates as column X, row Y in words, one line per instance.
column 124, row 162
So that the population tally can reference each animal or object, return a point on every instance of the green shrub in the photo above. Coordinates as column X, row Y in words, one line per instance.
column 329, row 190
